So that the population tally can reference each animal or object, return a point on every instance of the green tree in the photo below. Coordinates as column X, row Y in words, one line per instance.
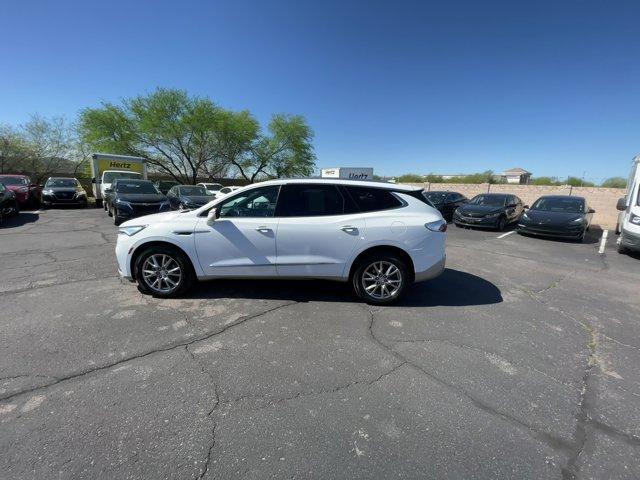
column 433, row 178
column 12, row 149
column 286, row 151
column 615, row 182
column 187, row 137
column 410, row 178
column 578, row 182
column 545, row 181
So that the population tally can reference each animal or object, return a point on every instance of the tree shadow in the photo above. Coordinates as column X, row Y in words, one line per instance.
column 23, row 218
column 452, row 288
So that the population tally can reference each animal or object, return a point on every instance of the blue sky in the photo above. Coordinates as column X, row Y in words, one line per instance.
column 446, row 87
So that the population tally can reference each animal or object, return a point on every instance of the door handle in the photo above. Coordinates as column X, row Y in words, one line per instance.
column 348, row 229
column 263, row 229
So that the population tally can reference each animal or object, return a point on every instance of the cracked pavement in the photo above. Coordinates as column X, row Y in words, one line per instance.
column 520, row 361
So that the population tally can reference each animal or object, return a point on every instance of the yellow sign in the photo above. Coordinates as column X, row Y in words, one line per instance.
column 120, row 165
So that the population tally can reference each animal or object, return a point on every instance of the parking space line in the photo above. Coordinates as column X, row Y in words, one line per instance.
column 505, row 234
column 603, row 241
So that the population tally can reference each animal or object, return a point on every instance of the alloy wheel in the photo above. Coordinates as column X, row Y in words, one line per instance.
column 382, row 280
column 161, row 273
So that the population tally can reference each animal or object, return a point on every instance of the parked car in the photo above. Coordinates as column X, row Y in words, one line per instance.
column 492, row 210
column 561, row 216
column 8, row 203
column 27, row 193
column 378, row 236
column 226, row 191
column 165, row 185
column 629, row 207
column 63, row 191
column 210, row 187
column 185, row 197
column 446, row 202
column 135, row 198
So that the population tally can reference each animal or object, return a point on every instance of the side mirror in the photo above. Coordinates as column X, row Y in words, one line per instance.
column 108, row 190
column 211, row 216
column 526, row 207
column 622, row 204
column 591, row 210
column 93, row 179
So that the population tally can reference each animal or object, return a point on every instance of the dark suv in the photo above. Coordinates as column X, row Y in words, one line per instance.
column 63, row 191
column 135, row 198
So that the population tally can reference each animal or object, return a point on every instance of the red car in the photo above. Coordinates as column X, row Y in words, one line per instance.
column 26, row 192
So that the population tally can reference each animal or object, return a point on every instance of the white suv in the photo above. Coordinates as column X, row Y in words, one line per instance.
column 379, row 236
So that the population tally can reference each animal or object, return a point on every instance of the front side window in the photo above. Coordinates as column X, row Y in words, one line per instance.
column 310, row 200
column 436, row 197
column 373, row 199
column 257, row 202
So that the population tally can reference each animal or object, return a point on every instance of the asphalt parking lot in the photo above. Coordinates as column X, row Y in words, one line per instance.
column 520, row 361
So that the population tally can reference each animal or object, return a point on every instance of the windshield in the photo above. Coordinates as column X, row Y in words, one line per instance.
column 136, row 187
column 568, row 205
column 488, row 200
column 167, row 183
column 109, row 177
column 436, row 197
column 61, row 182
column 196, row 191
column 14, row 181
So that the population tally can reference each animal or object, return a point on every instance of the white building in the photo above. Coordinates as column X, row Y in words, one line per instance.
column 516, row 175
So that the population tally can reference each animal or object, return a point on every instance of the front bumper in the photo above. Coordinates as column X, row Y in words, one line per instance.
column 552, row 231
column 54, row 200
column 483, row 222
column 127, row 213
column 630, row 240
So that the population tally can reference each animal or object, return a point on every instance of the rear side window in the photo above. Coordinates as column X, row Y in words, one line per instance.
column 311, row 200
column 373, row 199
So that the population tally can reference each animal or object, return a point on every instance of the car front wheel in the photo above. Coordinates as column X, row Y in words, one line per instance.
column 502, row 223
column 163, row 272
column 380, row 279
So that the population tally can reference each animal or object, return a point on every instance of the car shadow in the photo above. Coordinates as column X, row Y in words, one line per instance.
column 23, row 218
column 452, row 288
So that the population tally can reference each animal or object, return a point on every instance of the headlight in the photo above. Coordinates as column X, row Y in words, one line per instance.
column 437, row 226
column 131, row 231
column 47, row 192
column 525, row 216
column 578, row 220
column 81, row 193
column 635, row 219
column 165, row 204
column 23, row 189
column 122, row 203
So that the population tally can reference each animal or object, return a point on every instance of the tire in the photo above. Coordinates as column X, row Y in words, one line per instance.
column 622, row 249
column 580, row 239
column 380, row 264
column 172, row 258
column 501, row 224
column 109, row 212
column 457, row 224
column 99, row 203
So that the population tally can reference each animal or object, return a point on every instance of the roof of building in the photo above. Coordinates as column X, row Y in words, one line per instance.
column 516, row 171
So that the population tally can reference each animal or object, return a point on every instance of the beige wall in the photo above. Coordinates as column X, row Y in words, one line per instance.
column 602, row 200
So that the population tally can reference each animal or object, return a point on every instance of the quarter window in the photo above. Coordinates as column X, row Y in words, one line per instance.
column 257, row 202
column 310, row 200
column 373, row 199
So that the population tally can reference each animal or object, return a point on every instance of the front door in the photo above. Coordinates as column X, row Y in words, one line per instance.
column 242, row 240
column 317, row 232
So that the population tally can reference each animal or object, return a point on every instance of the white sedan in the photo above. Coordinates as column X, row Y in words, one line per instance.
column 378, row 236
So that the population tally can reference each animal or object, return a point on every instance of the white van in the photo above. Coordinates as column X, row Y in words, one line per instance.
column 629, row 206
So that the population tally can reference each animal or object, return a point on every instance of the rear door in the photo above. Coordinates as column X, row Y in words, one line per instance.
column 318, row 230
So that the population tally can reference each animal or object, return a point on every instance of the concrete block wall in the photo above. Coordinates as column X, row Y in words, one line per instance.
column 602, row 200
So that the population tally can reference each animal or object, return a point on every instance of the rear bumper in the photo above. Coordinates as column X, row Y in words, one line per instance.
column 551, row 232
column 630, row 240
column 431, row 272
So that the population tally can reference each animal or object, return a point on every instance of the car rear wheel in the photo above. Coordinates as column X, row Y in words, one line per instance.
column 163, row 272
column 380, row 279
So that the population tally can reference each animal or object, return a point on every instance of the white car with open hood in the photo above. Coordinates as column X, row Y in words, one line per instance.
column 378, row 236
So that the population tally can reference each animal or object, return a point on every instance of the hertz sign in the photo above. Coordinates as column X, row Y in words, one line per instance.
column 120, row 165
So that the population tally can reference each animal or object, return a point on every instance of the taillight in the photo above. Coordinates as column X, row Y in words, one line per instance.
column 437, row 226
